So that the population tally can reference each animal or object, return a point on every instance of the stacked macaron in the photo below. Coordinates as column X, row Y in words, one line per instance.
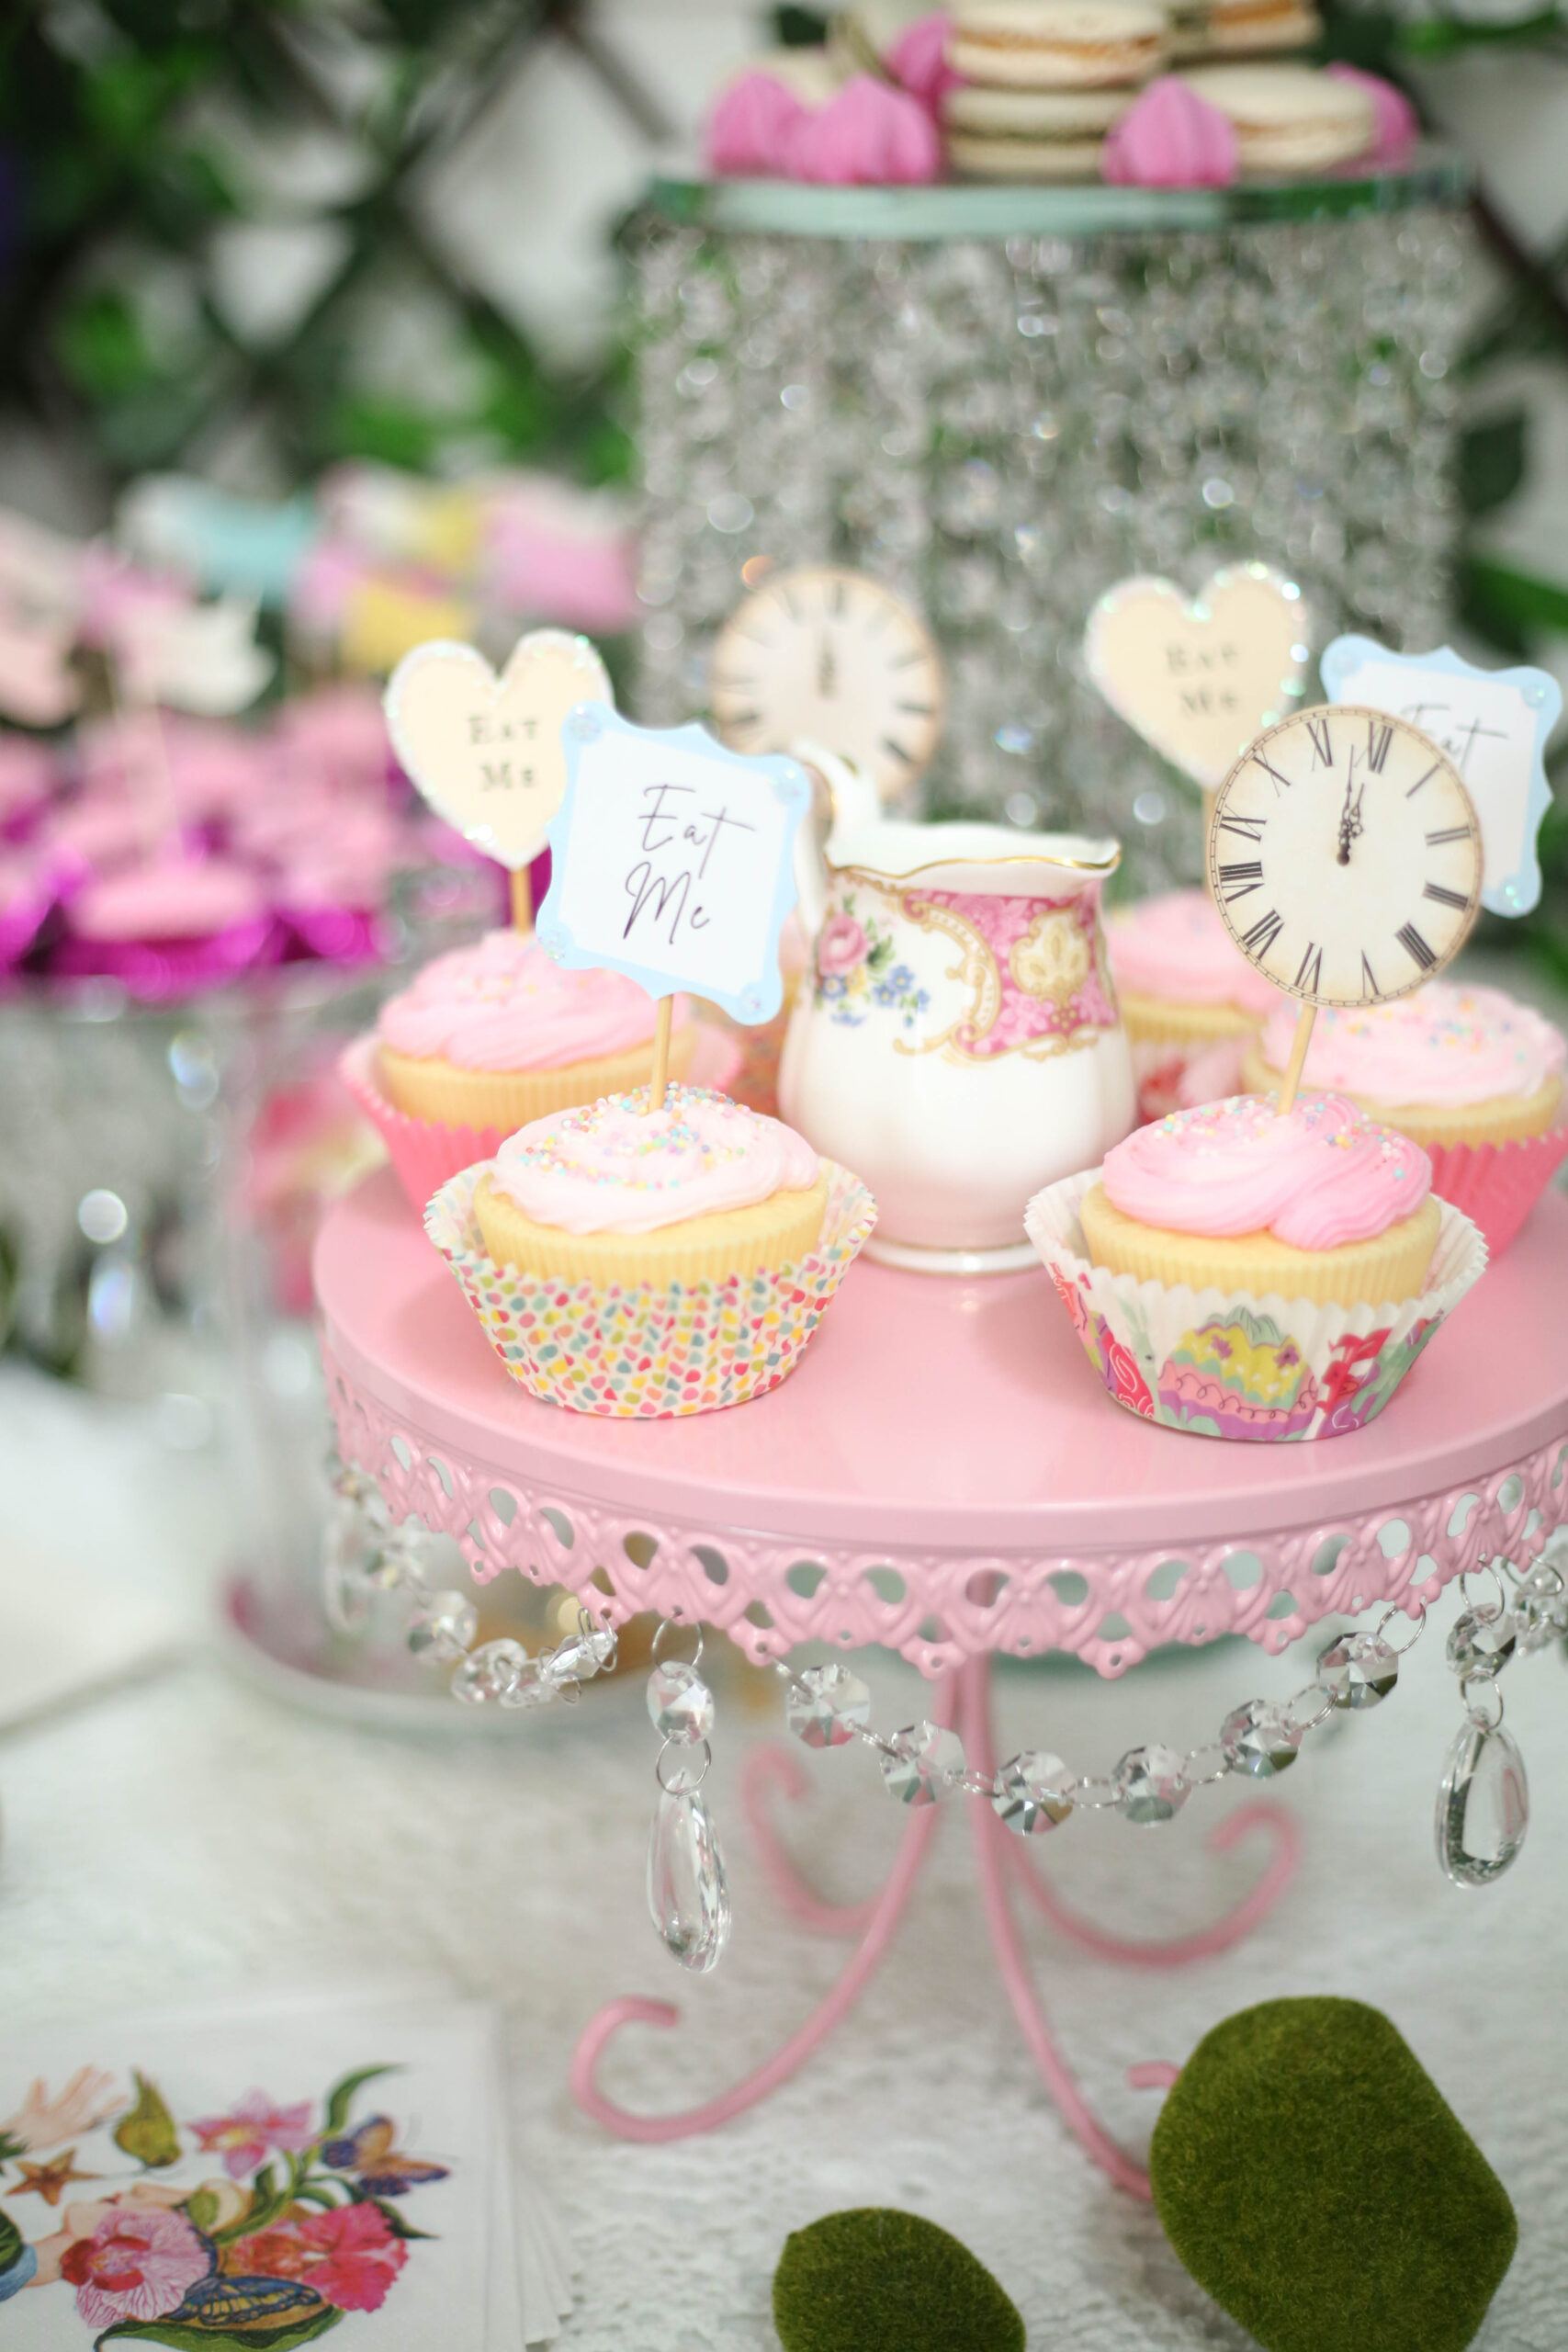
column 1042, row 81
column 1287, row 118
column 1202, row 30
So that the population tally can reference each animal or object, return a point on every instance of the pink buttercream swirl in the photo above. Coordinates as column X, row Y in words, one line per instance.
column 1445, row 1045
column 1175, row 946
column 502, row 1004
column 610, row 1167
column 1318, row 1176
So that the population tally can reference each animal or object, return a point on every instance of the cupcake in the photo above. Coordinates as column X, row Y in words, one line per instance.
column 641, row 1262
column 1467, row 1073
column 1185, row 990
column 495, row 1034
column 613, row 1193
column 491, row 1036
column 1238, row 1273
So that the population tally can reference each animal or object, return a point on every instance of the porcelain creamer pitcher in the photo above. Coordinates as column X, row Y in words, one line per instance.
column 956, row 1040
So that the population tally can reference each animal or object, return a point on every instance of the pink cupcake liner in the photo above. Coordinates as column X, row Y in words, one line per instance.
column 650, row 1350
column 425, row 1154
column 1240, row 1364
column 1497, row 1184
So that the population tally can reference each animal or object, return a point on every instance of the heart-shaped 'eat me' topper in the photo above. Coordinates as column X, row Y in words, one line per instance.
column 486, row 751
column 1200, row 680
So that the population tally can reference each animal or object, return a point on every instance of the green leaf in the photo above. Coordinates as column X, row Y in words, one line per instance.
column 202, row 2209
column 244, row 2315
column 340, row 2098
column 148, row 2132
column 1492, row 462
column 11, row 2243
column 1441, row 36
column 9, row 2147
column 394, row 2219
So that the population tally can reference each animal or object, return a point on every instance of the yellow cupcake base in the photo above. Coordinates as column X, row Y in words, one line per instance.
column 1164, row 1021
column 437, row 1089
column 1391, row 1266
column 759, row 1238
column 1501, row 1118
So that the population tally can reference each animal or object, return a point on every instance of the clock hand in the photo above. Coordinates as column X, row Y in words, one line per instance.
column 1350, row 815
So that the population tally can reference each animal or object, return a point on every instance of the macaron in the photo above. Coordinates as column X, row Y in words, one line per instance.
column 1029, row 134
column 1057, row 44
column 1258, row 28
column 1287, row 118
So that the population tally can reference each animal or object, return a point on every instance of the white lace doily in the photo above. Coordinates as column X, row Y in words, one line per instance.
column 188, row 1836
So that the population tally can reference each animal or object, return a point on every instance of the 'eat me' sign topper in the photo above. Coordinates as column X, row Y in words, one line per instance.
column 486, row 751
column 672, row 861
column 1493, row 726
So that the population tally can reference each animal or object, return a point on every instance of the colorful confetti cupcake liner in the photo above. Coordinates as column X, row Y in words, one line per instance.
column 1232, row 1364
column 645, row 1351
column 1497, row 1184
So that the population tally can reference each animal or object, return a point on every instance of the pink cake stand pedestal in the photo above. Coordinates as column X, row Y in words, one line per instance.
column 943, row 1475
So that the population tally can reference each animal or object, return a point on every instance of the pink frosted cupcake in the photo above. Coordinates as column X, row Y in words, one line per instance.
column 1235, row 1273
column 1474, row 1078
column 491, row 1036
column 1186, row 992
column 169, row 927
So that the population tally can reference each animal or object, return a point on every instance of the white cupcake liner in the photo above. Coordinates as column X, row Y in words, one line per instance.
column 1235, row 1364
column 649, row 1349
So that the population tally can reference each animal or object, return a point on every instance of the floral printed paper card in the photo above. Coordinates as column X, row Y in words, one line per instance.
column 254, row 2182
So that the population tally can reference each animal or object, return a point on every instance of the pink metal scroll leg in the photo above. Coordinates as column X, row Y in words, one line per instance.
column 633, row 2010
column 991, row 1839
column 767, row 1768
column 1253, row 1909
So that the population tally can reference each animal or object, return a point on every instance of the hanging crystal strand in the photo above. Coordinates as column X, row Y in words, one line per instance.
column 1483, row 1809
column 688, row 1890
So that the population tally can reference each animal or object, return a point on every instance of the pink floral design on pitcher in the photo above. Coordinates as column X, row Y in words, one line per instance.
column 1049, row 965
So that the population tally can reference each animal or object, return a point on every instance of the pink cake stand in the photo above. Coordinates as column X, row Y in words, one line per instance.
column 943, row 1475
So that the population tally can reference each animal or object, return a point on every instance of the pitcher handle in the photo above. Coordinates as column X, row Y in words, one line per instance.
column 845, row 804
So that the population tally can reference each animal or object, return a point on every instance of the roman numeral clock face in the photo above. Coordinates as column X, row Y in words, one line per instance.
column 837, row 657
column 1345, row 856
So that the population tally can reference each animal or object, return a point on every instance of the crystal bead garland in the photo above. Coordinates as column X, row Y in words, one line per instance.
column 688, row 1888
column 1484, row 1810
column 1002, row 427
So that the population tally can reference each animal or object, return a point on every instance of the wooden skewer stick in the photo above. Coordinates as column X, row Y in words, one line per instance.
column 660, row 1078
column 1297, row 1062
column 522, row 899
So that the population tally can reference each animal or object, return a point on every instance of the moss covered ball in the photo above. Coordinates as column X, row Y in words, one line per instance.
column 876, row 2280
column 1314, row 2180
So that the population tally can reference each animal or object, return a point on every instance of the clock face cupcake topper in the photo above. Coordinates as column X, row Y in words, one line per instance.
column 835, row 657
column 1345, row 856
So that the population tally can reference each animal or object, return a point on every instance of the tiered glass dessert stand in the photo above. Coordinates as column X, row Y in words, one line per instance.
column 942, row 1475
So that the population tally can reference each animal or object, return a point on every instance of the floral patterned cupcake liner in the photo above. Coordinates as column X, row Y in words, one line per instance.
column 647, row 1350
column 1230, row 1364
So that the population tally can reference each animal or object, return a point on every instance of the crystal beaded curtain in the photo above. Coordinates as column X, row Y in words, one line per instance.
column 1002, row 429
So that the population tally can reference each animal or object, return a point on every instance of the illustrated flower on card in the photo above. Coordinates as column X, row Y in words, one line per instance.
column 87, row 2101
column 349, row 2254
column 252, row 2130
column 139, row 2263
column 840, row 945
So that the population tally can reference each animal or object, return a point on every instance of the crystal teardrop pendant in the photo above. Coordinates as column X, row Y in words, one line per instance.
column 1484, row 1806
column 688, row 1892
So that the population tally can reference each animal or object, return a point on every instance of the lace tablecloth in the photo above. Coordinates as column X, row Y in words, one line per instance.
column 186, row 1835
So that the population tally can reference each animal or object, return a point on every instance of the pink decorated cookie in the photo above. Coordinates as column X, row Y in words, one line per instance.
column 750, row 127
column 869, row 135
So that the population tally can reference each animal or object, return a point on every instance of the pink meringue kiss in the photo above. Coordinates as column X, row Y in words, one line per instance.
column 867, row 136
column 918, row 61
column 1395, row 124
column 1169, row 137
column 748, row 128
